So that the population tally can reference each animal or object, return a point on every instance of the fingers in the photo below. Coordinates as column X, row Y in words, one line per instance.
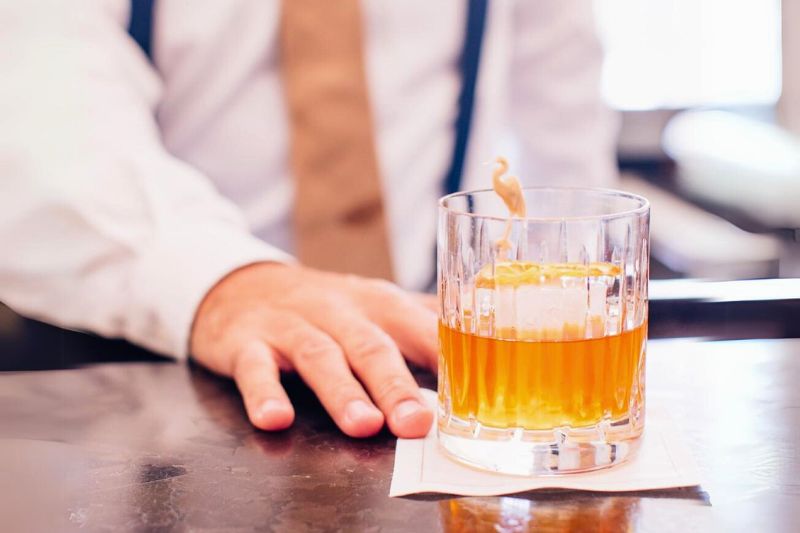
column 321, row 363
column 258, row 378
column 376, row 360
column 430, row 301
column 410, row 321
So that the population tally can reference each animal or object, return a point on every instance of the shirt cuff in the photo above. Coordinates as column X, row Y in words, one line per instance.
column 175, row 275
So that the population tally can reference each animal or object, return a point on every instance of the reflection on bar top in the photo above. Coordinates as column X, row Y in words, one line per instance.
column 517, row 273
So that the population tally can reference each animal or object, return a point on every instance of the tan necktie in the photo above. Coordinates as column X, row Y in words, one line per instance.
column 338, row 212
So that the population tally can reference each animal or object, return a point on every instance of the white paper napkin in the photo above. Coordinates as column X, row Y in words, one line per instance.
column 663, row 461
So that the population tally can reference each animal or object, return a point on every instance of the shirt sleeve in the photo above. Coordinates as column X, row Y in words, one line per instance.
column 100, row 227
column 566, row 132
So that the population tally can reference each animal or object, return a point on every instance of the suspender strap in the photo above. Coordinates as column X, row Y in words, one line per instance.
column 140, row 29
column 470, row 61
column 140, row 26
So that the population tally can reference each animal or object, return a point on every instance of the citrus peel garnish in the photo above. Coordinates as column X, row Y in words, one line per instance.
column 517, row 273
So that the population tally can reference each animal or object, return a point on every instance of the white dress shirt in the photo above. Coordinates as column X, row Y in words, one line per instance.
column 129, row 189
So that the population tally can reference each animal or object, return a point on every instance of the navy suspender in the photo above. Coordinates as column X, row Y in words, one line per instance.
column 470, row 60
column 140, row 26
column 140, row 29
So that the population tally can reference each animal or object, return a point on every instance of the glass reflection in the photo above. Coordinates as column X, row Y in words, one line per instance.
column 547, row 512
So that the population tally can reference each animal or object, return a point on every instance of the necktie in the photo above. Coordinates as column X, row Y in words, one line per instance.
column 338, row 209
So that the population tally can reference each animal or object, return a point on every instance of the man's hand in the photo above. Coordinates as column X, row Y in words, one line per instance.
column 344, row 335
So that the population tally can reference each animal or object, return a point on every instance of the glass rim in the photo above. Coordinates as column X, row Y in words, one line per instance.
column 644, row 204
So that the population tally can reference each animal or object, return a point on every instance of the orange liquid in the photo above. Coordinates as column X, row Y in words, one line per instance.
column 541, row 384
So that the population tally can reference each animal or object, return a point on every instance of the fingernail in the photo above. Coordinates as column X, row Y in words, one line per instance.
column 359, row 410
column 407, row 409
column 271, row 408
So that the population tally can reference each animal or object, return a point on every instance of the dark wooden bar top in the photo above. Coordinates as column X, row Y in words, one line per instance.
column 149, row 445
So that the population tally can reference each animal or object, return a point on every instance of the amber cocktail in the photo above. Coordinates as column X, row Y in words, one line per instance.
column 543, row 340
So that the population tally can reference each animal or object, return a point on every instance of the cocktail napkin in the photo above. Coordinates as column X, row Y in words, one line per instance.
column 663, row 461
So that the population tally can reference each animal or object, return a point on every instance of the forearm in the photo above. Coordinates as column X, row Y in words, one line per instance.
column 101, row 228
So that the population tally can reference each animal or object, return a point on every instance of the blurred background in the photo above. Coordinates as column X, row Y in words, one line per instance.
column 709, row 95
column 709, row 92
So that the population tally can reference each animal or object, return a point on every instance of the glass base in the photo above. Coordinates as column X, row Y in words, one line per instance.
column 529, row 452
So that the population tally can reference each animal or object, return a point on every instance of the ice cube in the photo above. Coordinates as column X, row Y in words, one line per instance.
column 537, row 312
